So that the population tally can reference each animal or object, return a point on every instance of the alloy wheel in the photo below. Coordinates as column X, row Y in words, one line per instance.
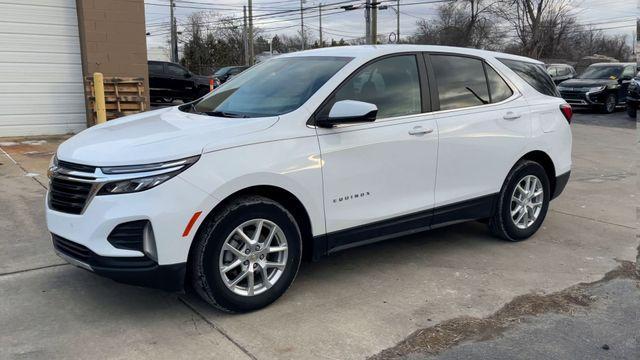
column 253, row 257
column 526, row 201
column 610, row 104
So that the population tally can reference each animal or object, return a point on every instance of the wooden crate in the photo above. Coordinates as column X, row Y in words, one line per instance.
column 122, row 95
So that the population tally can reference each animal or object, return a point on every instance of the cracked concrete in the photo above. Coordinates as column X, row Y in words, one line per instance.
column 348, row 306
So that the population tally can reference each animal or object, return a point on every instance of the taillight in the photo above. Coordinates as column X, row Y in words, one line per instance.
column 567, row 112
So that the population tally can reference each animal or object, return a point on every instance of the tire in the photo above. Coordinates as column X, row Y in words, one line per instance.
column 209, row 257
column 632, row 111
column 502, row 224
column 610, row 103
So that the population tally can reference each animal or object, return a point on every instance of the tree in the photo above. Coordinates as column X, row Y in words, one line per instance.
column 539, row 25
column 467, row 23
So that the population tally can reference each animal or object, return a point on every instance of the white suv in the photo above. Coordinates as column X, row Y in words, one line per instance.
column 310, row 153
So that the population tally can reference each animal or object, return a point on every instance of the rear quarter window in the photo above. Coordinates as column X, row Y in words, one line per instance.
column 534, row 74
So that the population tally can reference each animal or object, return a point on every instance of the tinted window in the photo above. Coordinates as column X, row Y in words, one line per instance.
column 156, row 68
column 628, row 72
column 563, row 71
column 274, row 87
column 392, row 84
column 461, row 81
column 498, row 87
column 534, row 75
column 175, row 70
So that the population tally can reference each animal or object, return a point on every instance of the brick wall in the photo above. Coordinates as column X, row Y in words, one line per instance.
column 112, row 38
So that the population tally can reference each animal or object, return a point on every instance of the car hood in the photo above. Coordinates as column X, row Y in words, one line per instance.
column 587, row 82
column 155, row 136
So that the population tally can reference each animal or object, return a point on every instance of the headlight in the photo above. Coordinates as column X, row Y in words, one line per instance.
column 53, row 163
column 597, row 88
column 157, row 173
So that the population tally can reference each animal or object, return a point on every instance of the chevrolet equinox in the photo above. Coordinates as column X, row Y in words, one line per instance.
column 310, row 153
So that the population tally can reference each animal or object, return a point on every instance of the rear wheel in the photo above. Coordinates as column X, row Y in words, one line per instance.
column 610, row 104
column 247, row 256
column 523, row 202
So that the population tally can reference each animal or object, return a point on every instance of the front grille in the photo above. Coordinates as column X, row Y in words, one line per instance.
column 573, row 95
column 129, row 235
column 76, row 167
column 69, row 248
column 68, row 196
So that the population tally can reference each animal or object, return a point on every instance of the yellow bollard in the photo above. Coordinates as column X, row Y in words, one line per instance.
column 100, row 107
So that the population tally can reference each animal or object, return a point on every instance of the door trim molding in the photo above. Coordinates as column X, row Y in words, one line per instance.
column 473, row 209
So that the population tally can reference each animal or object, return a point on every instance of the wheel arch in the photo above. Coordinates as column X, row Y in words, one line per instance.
column 545, row 160
column 275, row 193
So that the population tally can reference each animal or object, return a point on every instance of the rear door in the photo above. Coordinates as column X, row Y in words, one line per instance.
column 180, row 85
column 379, row 177
column 157, row 86
column 483, row 123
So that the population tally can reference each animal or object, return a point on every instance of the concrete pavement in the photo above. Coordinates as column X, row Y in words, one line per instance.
column 348, row 306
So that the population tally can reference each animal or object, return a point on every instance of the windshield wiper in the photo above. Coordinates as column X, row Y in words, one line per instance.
column 225, row 114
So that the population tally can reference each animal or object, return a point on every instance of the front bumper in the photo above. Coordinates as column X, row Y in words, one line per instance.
column 140, row 271
column 167, row 207
column 580, row 98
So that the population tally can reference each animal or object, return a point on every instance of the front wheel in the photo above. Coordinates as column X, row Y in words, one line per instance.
column 610, row 104
column 523, row 202
column 247, row 255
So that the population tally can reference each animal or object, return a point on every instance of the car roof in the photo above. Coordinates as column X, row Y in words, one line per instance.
column 374, row 51
column 612, row 64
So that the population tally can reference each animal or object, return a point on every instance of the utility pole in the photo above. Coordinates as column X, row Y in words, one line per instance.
column 250, row 40
column 398, row 22
column 320, row 20
column 174, row 35
column 245, row 38
column 367, row 21
column 302, row 24
column 374, row 22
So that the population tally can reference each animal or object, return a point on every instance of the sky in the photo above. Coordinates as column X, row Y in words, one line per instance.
column 613, row 16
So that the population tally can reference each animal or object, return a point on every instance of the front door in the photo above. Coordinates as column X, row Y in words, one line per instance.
column 379, row 177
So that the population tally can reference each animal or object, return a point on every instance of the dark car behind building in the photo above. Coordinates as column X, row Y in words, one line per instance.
column 170, row 81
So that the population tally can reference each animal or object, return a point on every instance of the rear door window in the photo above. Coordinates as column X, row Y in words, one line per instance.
column 156, row 68
column 461, row 81
column 534, row 74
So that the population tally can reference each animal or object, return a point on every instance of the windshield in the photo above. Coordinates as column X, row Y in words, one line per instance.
column 275, row 87
column 602, row 72
column 222, row 71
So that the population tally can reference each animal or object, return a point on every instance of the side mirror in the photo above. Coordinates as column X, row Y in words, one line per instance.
column 349, row 112
column 187, row 75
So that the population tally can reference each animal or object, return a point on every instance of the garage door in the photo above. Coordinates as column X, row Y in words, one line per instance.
column 41, row 90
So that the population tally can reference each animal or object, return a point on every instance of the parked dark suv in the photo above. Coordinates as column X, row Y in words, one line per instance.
column 223, row 74
column 170, row 81
column 603, row 86
column 633, row 96
column 560, row 72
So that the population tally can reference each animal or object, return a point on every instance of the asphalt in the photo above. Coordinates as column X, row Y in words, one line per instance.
column 352, row 305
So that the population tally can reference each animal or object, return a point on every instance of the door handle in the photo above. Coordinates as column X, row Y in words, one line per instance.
column 511, row 116
column 419, row 130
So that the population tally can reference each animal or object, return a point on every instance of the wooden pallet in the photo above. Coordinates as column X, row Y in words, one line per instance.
column 122, row 95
